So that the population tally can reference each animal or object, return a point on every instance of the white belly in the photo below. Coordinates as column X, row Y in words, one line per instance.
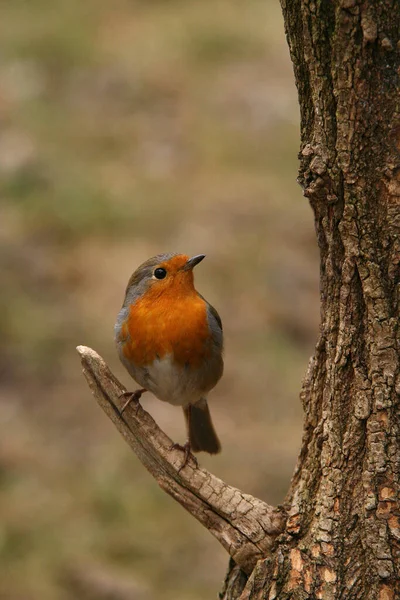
column 170, row 382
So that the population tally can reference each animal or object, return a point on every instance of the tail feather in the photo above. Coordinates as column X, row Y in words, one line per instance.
column 201, row 432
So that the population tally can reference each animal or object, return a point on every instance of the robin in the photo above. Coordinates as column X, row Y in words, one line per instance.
column 170, row 340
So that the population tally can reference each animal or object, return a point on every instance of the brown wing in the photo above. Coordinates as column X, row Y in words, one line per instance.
column 212, row 311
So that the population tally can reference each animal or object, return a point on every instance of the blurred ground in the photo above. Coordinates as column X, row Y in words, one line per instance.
column 128, row 129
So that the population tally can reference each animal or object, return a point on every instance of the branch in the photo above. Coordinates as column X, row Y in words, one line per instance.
column 244, row 525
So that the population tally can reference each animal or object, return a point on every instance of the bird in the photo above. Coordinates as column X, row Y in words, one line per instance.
column 170, row 340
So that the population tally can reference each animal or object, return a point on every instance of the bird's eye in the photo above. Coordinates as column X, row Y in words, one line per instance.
column 160, row 273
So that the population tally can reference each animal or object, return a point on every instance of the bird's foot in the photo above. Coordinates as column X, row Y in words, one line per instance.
column 131, row 397
column 187, row 454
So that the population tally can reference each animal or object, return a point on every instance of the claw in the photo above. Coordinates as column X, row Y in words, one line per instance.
column 187, row 454
column 131, row 397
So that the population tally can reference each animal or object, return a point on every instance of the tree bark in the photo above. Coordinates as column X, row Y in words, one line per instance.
column 338, row 535
column 342, row 536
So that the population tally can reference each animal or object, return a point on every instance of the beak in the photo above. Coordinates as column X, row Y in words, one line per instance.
column 192, row 262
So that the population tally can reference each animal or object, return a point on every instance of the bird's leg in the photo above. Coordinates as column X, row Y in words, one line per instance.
column 131, row 397
column 187, row 454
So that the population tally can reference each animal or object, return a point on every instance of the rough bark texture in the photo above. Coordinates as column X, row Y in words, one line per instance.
column 342, row 539
column 339, row 535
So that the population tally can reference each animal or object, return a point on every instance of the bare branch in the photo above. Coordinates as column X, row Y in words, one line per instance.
column 244, row 525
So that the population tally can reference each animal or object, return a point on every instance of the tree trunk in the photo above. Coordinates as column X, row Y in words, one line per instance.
column 342, row 537
column 338, row 535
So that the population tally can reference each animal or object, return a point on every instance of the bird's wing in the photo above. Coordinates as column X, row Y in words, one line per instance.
column 213, row 313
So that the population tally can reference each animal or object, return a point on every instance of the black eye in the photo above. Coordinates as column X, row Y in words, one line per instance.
column 160, row 273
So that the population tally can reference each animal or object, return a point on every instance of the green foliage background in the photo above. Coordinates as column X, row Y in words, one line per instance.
column 128, row 129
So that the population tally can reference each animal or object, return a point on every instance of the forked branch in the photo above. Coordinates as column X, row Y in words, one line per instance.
column 244, row 525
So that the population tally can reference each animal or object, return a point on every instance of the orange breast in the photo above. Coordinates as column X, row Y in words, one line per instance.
column 167, row 324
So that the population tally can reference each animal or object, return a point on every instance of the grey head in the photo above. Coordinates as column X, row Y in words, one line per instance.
column 145, row 275
column 141, row 278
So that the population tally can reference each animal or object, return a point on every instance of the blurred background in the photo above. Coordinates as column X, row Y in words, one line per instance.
column 128, row 129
